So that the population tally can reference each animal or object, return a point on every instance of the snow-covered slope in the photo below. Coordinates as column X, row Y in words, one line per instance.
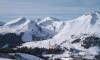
column 85, row 46
column 4, row 59
column 88, row 23
column 52, row 23
column 79, row 38
column 28, row 57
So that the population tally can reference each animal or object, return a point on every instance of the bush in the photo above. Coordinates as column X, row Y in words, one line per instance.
column 57, row 59
column 11, row 39
column 91, row 41
column 76, row 41
column 36, row 51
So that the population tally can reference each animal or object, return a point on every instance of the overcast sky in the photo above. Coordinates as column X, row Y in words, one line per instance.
column 63, row 9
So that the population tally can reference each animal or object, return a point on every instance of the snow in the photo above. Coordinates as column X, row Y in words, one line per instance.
column 16, row 22
column 86, row 24
column 43, row 43
column 49, row 19
column 52, row 23
column 27, row 37
column 64, row 33
column 36, row 20
column 29, row 57
column 5, row 46
column 4, row 59
column 94, row 50
column 28, row 27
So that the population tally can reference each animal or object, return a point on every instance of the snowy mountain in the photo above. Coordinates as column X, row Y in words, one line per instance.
column 52, row 24
column 25, row 29
column 77, row 39
column 89, row 23
column 80, row 38
column 23, row 25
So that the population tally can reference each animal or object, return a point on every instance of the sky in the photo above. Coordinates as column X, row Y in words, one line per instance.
column 62, row 9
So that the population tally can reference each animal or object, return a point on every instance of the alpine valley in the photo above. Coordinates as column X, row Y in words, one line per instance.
column 51, row 38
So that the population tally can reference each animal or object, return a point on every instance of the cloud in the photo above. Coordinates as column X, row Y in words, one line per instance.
column 41, row 8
